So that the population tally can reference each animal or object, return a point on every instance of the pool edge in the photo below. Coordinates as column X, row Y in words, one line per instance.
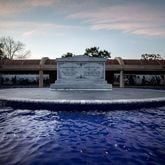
column 82, row 105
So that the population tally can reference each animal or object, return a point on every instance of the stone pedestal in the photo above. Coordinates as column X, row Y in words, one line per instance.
column 81, row 72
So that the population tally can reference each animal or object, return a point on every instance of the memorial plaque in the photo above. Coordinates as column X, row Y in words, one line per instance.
column 81, row 72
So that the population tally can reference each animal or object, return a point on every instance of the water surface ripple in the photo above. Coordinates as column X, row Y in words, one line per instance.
column 112, row 137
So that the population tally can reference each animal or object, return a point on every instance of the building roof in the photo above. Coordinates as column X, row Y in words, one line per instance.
column 50, row 62
column 143, row 62
column 81, row 58
column 112, row 62
column 21, row 62
column 108, row 62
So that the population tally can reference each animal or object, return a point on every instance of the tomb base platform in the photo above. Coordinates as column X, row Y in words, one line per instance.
column 81, row 85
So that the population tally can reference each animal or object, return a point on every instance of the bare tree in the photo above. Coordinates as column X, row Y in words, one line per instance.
column 1, row 52
column 13, row 49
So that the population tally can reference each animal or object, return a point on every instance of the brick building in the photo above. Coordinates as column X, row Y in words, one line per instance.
column 120, row 72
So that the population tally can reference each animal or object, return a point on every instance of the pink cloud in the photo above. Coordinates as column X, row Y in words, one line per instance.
column 42, row 2
column 31, row 29
column 150, row 32
column 5, row 9
column 28, row 33
column 139, row 20
column 10, row 7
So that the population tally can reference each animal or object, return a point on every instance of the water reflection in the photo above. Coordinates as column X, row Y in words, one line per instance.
column 42, row 137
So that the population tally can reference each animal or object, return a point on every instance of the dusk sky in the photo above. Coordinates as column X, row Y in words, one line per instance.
column 50, row 28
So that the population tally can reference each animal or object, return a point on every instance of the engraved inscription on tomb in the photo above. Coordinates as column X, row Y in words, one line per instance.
column 81, row 70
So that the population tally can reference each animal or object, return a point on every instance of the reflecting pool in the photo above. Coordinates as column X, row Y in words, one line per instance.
column 91, row 137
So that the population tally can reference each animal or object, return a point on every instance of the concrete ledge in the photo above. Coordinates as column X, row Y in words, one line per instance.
column 118, row 99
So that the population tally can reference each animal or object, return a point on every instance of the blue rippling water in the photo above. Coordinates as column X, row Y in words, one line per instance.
column 112, row 137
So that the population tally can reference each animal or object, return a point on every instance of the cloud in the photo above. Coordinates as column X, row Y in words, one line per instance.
column 15, row 6
column 62, row 6
column 136, row 19
column 42, row 29
column 18, row 6
column 28, row 33
column 31, row 29
column 150, row 32
column 42, row 2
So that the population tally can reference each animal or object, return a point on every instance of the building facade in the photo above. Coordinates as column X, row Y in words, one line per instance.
column 119, row 72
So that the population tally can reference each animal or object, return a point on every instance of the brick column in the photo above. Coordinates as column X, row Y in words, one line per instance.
column 0, row 79
column 41, row 79
column 121, row 79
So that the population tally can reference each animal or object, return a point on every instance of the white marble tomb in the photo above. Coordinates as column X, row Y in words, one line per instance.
column 81, row 72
